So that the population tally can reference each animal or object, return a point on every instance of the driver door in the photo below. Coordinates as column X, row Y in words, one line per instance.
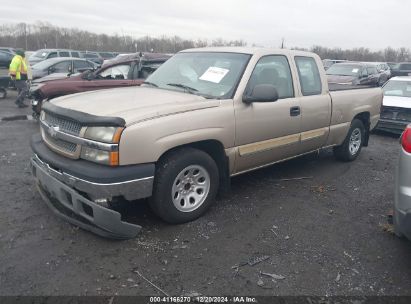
column 267, row 132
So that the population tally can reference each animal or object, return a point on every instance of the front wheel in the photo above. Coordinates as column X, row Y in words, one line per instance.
column 3, row 93
column 351, row 147
column 185, row 186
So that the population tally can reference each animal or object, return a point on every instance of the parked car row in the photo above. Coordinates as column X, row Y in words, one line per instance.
column 356, row 73
column 96, row 57
column 121, row 73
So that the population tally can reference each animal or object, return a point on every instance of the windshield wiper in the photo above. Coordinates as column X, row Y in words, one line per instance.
column 150, row 83
column 179, row 85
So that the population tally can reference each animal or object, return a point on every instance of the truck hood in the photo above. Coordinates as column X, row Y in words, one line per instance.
column 340, row 79
column 397, row 101
column 134, row 104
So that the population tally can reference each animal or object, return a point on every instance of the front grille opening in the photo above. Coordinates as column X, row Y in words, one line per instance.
column 87, row 209
column 69, row 198
column 62, row 144
column 64, row 124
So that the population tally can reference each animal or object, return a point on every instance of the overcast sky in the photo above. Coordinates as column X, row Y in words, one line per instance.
column 375, row 24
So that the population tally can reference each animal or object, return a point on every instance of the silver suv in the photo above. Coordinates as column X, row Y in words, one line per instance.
column 44, row 54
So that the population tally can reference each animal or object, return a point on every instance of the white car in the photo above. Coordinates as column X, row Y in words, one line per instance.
column 396, row 110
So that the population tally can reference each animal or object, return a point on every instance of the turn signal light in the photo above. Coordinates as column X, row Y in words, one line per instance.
column 406, row 139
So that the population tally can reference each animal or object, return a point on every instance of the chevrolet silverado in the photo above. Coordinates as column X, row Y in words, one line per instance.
column 204, row 116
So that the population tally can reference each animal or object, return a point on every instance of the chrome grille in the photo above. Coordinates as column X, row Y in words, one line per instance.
column 61, row 144
column 65, row 125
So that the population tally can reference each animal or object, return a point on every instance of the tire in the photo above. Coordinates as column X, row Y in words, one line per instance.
column 3, row 93
column 37, row 108
column 351, row 147
column 185, row 185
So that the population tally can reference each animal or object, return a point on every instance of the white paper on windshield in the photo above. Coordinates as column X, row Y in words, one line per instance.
column 214, row 74
column 354, row 70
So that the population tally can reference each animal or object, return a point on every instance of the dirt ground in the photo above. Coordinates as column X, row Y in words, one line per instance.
column 318, row 236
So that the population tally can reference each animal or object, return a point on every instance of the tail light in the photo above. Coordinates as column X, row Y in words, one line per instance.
column 406, row 139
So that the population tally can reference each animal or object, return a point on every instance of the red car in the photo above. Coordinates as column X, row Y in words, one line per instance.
column 130, row 72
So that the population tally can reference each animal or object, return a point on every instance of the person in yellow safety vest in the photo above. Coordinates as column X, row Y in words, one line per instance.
column 18, row 73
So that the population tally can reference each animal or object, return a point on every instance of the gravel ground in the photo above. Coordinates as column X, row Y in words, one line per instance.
column 318, row 236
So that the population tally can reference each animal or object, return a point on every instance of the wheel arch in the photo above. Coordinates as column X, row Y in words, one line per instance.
column 215, row 149
column 364, row 117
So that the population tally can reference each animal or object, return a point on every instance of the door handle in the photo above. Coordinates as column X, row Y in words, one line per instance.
column 295, row 111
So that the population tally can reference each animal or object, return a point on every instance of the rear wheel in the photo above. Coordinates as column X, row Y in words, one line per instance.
column 351, row 147
column 185, row 186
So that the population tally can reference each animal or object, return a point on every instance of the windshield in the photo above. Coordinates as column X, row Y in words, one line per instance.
column 40, row 54
column 212, row 75
column 42, row 65
column 397, row 88
column 343, row 70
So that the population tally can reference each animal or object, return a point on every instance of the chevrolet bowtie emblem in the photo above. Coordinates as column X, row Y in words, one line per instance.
column 52, row 130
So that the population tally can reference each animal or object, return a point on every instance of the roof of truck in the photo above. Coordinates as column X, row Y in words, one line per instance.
column 248, row 50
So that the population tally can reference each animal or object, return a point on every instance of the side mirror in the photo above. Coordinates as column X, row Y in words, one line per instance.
column 261, row 93
column 51, row 70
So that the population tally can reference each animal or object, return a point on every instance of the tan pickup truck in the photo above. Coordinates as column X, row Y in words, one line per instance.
column 202, row 117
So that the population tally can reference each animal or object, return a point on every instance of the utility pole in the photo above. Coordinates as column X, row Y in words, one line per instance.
column 25, row 35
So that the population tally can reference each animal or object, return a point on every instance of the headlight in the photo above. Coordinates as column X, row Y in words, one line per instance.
column 104, row 134
column 109, row 135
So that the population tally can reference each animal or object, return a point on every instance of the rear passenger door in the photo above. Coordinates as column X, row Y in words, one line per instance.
column 267, row 132
column 315, row 105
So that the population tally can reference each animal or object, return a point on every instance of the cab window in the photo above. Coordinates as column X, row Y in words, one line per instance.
column 309, row 75
column 273, row 70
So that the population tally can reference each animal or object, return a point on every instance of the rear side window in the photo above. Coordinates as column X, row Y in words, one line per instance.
column 274, row 70
column 64, row 54
column 309, row 76
column 75, row 54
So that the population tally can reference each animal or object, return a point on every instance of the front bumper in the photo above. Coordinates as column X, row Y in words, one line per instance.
column 392, row 126
column 73, row 188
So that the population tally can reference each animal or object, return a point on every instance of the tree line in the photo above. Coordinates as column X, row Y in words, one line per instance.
column 45, row 35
